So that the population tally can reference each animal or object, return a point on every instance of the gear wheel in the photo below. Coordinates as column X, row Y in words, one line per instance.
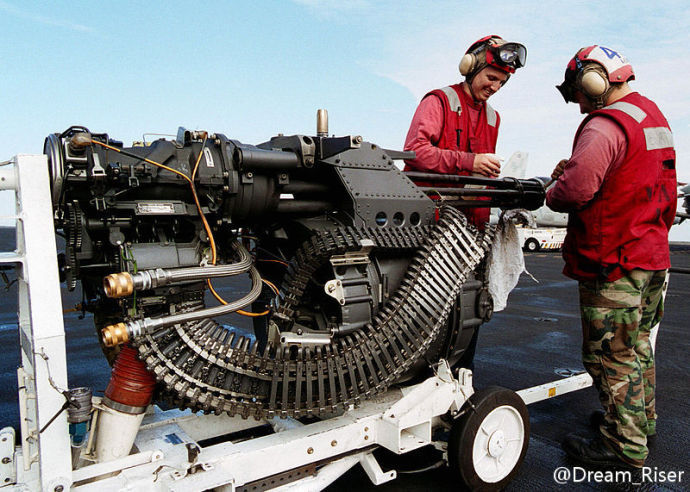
column 73, row 237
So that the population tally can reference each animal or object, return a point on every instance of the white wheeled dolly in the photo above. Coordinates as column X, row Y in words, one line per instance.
column 182, row 451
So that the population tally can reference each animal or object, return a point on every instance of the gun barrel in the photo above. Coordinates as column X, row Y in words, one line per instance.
column 503, row 192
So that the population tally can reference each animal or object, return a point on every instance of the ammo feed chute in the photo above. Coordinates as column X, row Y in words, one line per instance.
column 358, row 278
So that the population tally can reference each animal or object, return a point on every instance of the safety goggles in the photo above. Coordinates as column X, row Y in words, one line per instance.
column 567, row 87
column 513, row 55
column 567, row 91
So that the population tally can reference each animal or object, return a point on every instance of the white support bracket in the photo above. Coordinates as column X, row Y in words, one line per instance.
column 406, row 425
column 8, row 467
column 373, row 470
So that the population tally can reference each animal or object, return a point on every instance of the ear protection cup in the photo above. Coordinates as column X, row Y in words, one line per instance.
column 594, row 82
column 467, row 64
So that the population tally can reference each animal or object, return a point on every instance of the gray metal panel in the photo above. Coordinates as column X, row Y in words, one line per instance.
column 369, row 156
column 365, row 189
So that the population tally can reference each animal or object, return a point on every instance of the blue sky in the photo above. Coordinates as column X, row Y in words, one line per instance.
column 254, row 69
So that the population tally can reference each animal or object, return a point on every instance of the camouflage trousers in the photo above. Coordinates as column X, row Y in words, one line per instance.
column 617, row 318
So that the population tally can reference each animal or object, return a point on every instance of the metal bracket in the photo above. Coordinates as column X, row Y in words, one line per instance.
column 374, row 471
column 360, row 257
column 334, row 288
column 97, row 170
column 8, row 469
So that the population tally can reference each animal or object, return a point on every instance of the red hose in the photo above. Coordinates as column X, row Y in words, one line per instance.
column 130, row 383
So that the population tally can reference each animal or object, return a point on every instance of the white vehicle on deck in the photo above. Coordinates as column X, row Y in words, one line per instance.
column 538, row 238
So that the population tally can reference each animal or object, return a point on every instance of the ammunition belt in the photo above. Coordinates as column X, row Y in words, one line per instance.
column 204, row 366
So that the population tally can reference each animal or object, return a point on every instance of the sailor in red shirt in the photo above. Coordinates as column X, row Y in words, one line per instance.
column 619, row 188
column 454, row 129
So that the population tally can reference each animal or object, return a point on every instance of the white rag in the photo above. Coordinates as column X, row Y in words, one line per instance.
column 506, row 262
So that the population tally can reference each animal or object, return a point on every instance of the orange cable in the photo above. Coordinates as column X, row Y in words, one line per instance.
column 274, row 261
column 272, row 286
column 207, row 227
column 144, row 159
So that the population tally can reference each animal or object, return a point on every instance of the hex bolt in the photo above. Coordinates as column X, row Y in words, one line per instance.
column 5, row 460
column 59, row 488
column 334, row 443
column 310, row 450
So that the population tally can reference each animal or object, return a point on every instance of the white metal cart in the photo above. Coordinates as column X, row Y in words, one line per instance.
column 175, row 450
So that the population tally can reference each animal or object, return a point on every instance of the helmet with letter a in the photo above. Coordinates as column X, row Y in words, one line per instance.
column 594, row 71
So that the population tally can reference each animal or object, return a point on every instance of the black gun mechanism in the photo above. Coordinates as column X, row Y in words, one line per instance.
column 353, row 277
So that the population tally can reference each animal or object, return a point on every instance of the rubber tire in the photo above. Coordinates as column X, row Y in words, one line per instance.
column 532, row 245
column 465, row 429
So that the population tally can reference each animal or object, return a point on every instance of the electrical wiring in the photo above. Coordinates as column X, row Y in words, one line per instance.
column 274, row 261
column 129, row 154
column 207, row 227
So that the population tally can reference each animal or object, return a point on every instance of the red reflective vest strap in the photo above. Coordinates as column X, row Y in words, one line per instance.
column 626, row 225
column 458, row 134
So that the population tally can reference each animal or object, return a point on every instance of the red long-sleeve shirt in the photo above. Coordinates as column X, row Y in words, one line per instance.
column 600, row 149
column 426, row 128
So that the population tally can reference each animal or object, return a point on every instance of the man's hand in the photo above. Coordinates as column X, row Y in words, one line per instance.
column 558, row 170
column 488, row 165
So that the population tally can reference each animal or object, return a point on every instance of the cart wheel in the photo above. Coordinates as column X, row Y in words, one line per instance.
column 488, row 443
column 532, row 245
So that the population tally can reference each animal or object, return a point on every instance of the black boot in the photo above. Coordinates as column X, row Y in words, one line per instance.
column 592, row 452
column 596, row 418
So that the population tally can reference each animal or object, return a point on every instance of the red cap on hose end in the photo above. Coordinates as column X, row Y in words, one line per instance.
column 131, row 385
